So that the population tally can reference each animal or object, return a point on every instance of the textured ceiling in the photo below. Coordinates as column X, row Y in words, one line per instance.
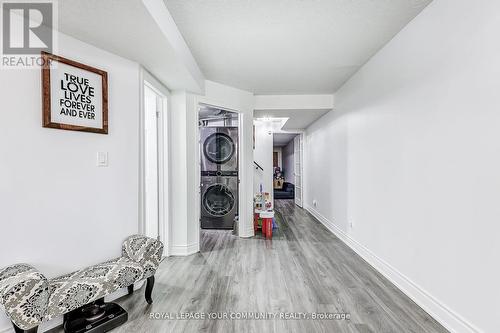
column 282, row 139
column 288, row 46
column 297, row 119
column 127, row 28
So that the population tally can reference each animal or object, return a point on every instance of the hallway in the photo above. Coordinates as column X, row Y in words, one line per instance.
column 303, row 269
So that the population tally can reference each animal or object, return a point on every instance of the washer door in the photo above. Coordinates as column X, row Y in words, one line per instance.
column 219, row 148
column 218, row 200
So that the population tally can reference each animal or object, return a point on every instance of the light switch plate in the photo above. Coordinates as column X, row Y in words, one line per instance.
column 102, row 159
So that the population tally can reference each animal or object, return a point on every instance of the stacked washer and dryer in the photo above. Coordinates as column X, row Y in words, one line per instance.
column 219, row 176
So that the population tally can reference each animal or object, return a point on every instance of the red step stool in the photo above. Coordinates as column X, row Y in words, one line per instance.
column 267, row 222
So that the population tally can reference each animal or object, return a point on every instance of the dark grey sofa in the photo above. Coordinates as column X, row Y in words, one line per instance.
column 287, row 192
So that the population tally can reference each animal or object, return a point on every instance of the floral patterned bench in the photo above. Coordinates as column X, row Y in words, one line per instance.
column 29, row 298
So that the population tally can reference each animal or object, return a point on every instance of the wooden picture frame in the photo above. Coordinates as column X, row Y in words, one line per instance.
column 71, row 101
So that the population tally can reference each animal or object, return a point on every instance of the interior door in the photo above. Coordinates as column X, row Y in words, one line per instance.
column 297, row 157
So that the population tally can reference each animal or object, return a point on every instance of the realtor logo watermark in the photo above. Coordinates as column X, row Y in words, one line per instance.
column 28, row 28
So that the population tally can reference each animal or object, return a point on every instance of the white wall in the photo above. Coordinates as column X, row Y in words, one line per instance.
column 263, row 155
column 184, row 174
column 178, row 168
column 288, row 162
column 325, row 168
column 416, row 134
column 59, row 211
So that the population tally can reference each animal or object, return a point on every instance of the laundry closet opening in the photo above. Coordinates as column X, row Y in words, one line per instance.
column 219, row 174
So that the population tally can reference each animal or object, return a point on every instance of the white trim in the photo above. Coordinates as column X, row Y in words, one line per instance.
column 163, row 171
column 302, row 155
column 160, row 14
column 197, row 175
column 163, row 158
column 303, row 137
column 451, row 320
column 154, row 83
column 244, row 168
column 298, row 146
column 247, row 232
column 142, row 213
column 184, row 250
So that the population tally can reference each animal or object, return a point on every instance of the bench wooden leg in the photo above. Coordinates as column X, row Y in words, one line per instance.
column 31, row 330
column 130, row 289
column 149, row 288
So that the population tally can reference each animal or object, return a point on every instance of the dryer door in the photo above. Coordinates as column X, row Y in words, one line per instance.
column 219, row 148
column 218, row 200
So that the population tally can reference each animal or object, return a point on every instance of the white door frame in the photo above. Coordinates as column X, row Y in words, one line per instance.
column 300, row 149
column 241, row 170
column 163, row 159
column 303, row 166
column 302, row 134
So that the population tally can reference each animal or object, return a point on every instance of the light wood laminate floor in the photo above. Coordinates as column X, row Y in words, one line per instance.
column 304, row 268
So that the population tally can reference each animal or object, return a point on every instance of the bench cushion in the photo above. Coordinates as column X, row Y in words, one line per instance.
column 29, row 298
column 71, row 291
column 144, row 250
column 23, row 294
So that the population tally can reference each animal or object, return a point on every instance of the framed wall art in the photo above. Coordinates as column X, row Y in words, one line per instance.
column 74, row 95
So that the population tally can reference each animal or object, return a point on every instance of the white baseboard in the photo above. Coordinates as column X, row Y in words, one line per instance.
column 184, row 250
column 248, row 232
column 451, row 320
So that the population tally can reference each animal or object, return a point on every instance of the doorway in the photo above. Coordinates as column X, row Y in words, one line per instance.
column 287, row 167
column 154, row 164
column 219, row 167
